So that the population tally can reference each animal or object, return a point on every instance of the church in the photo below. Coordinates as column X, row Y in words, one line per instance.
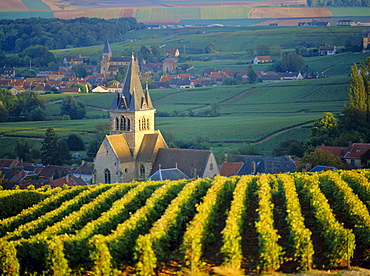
column 134, row 150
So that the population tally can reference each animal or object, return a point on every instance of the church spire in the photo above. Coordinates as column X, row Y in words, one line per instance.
column 132, row 96
column 107, row 49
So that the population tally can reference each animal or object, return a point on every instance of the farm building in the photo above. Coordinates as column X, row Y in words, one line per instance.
column 327, row 50
column 262, row 59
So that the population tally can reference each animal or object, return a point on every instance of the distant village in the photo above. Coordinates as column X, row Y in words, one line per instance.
column 62, row 79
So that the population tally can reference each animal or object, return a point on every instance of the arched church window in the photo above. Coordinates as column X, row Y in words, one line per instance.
column 147, row 124
column 128, row 124
column 122, row 123
column 107, row 176
column 117, row 123
column 139, row 125
column 143, row 124
column 142, row 171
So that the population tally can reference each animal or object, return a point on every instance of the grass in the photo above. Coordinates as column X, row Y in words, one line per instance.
column 36, row 5
column 350, row 11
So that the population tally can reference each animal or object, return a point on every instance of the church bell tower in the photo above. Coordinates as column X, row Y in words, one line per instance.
column 132, row 112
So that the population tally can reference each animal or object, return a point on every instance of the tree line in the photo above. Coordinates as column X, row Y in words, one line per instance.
column 338, row 3
column 17, row 35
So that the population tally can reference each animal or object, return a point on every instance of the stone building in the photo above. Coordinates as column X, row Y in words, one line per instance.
column 134, row 150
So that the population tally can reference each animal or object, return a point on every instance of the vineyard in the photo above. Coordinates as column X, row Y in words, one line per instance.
column 253, row 224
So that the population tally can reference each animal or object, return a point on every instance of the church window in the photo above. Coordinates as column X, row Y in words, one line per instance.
column 211, row 166
column 142, row 171
column 147, row 124
column 126, row 170
column 122, row 123
column 128, row 124
column 139, row 125
column 107, row 176
column 117, row 123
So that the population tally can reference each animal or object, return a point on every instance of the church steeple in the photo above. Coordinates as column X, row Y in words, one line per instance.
column 106, row 56
column 132, row 96
column 132, row 111
column 107, row 49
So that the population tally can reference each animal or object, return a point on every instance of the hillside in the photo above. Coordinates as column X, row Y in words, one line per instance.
column 242, row 224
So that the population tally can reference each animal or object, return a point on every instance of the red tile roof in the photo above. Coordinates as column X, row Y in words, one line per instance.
column 230, row 168
column 337, row 151
column 357, row 150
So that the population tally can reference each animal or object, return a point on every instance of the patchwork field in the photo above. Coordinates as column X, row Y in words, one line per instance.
column 289, row 12
column 12, row 5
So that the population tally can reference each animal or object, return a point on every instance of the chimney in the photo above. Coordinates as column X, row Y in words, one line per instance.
column 253, row 167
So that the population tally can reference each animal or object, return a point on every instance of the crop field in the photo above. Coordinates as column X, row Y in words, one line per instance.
column 290, row 12
column 12, row 5
column 350, row 12
column 250, row 224
column 35, row 5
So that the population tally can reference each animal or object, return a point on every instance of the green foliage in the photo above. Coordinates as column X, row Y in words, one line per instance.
column 54, row 151
column 39, row 54
column 9, row 264
column 75, row 142
column 324, row 130
column 70, row 106
column 321, row 157
column 27, row 105
column 293, row 62
column 210, row 48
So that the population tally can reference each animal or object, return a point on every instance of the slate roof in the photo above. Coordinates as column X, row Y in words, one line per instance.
column 8, row 163
column 85, row 168
column 120, row 147
column 132, row 96
column 70, row 180
column 320, row 168
column 186, row 160
column 49, row 171
column 280, row 164
column 168, row 174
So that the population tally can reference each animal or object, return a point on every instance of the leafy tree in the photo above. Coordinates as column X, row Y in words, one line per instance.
column 276, row 50
column 210, row 48
column 263, row 49
column 75, row 142
column 293, row 62
column 4, row 114
column 289, row 147
column 215, row 109
column 81, row 72
column 64, row 152
column 27, row 102
column 8, row 100
column 93, row 148
column 321, row 157
column 22, row 150
column 148, row 82
column 156, row 51
column 40, row 55
column 252, row 76
column 324, row 130
column 75, row 109
column 37, row 114
column 50, row 151
column 357, row 92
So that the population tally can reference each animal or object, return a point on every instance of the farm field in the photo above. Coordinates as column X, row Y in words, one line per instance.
column 245, row 224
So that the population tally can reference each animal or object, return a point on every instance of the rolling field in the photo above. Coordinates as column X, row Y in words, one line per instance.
column 245, row 224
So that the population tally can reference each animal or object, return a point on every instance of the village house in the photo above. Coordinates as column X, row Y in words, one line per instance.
column 173, row 52
column 358, row 154
column 262, row 59
column 327, row 50
column 346, row 22
column 7, row 72
column 169, row 65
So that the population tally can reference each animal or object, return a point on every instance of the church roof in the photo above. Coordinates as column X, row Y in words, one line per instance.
column 120, row 147
column 186, row 160
column 132, row 96
column 168, row 174
column 107, row 47
column 149, row 147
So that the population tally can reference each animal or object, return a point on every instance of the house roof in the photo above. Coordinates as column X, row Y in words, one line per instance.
column 132, row 96
column 150, row 145
column 85, row 168
column 120, row 147
column 172, row 51
column 49, row 171
column 186, row 160
column 279, row 164
column 8, row 163
column 320, row 168
column 168, row 174
column 357, row 150
column 230, row 168
column 337, row 151
column 263, row 57
column 70, row 180
column 326, row 48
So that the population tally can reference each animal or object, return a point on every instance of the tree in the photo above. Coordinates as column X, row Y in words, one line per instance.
column 263, row 49
column 4, row 114
column 8, row 100
column 81, row 72
column 252, row 76
column 22, row 150
column 357, row 93
column 210, row 48
column 27, row 102
column 293, row 62
column 75, row 142
column 40, row 55
column 75, row 109
column 289, row 147
column 324, row 130
column 321, row 157
column 50, row 154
